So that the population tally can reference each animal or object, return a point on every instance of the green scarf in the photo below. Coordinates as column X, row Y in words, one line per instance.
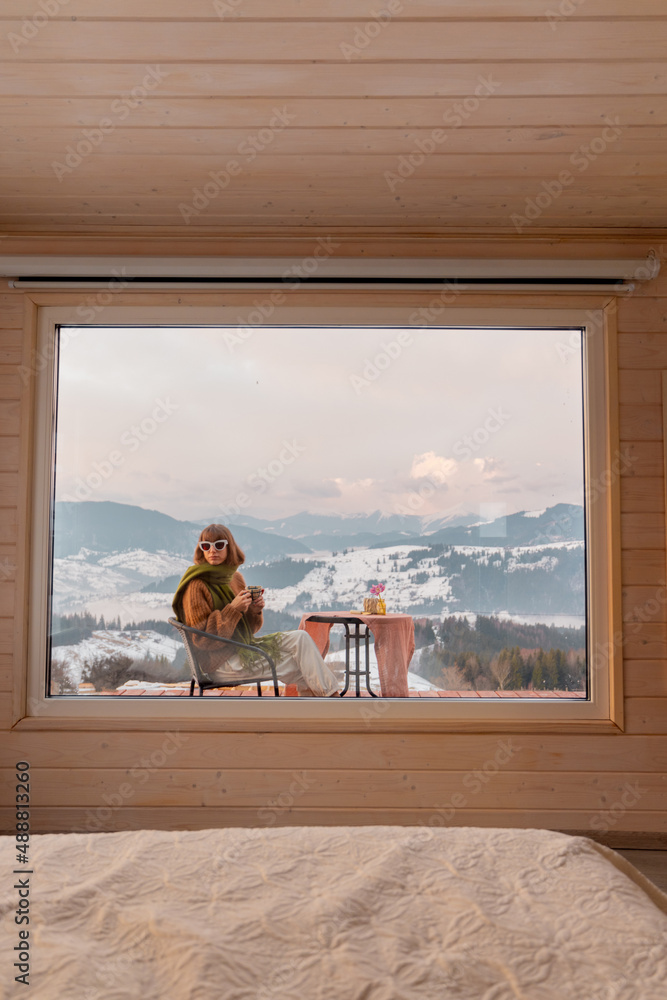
column 218, row 580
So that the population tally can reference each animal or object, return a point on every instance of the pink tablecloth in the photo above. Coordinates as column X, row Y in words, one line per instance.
column 394, row 637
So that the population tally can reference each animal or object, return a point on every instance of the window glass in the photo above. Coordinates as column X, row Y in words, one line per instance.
column 444, row 465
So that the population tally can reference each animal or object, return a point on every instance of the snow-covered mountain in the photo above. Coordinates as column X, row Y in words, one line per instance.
column 531, row 563
column 137, row 645
column 337, row 531
column 528, row 566
column 106, row 527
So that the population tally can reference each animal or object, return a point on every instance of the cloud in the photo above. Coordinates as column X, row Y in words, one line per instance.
column 322, row 488
column 493, row 470
column 433, row 467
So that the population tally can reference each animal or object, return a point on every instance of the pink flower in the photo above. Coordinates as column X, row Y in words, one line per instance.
column 377, row 589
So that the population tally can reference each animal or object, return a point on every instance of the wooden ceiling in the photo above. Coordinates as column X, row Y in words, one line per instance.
column 321, row 115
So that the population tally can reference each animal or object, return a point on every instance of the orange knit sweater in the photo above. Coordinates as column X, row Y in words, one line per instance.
column 199, row 613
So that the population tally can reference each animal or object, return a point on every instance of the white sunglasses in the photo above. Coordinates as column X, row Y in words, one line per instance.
column 219, row 546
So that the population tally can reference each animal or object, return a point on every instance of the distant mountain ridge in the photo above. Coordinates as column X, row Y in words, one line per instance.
column 561, row 523
column 337, row 531
column 105, row 526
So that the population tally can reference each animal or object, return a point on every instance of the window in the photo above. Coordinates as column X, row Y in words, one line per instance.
column 476, row 439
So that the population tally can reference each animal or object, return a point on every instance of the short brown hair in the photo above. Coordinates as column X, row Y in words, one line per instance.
column 213, row 533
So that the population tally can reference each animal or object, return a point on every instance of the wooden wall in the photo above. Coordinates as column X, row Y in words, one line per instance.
column 141, row 777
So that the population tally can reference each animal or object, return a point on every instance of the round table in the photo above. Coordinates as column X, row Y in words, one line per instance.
column 394, row 637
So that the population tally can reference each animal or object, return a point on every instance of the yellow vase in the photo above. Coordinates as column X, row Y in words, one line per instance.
column 382, row 607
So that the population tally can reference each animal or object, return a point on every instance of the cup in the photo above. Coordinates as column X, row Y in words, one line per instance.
column 255, row 592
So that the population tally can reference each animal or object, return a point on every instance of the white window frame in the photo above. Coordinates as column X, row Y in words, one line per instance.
column 327, row 308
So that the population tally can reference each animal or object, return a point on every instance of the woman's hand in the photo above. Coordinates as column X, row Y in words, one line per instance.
column 258, row 604
column 242, row 601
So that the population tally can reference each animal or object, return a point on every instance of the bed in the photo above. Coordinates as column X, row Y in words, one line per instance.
column 360, row 913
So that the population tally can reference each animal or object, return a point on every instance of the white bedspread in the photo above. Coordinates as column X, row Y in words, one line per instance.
column 352, row 913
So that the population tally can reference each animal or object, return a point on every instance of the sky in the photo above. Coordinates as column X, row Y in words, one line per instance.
column 272, row 421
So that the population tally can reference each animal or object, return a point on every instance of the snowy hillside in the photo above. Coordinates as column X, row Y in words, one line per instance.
column 542, row 582
column 138, row 645
column 92, row 580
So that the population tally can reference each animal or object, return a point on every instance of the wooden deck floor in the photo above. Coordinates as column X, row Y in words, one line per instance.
column 182, row 690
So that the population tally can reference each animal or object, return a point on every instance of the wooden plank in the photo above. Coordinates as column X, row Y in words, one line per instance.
column 9, row 454
column 258, row 42
column 9, row 417
column 601, row 115
column 639, row 140
column 641, row 458
column 641, row 422
column 6, row 715
column 482, row 789
column 645, row 679
column 643, row 323
column 639, row 386
column 643, row 567
column 7, row 563
column 645, row 603
column 248, row 191
column 656, row 287
column 316, row 221
column 646, row 715
column 10, row 382
column 7, row 595
column 10, row 347
column 276, row 10
column 469, row 193
column 218, row 79
column 441, row 752
column 8, row 488
column 320, row 209
column 638, row 494
column 83, row 820
column 643, row 531
column 11, row 315
column 8, row 522
column 21, row 170
column 289, row 240
column 6, row 678
column 645, row 641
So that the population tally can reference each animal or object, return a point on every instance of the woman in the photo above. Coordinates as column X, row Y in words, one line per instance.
column 212, row 596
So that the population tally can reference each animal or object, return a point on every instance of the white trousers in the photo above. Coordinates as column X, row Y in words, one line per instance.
column 299, row 663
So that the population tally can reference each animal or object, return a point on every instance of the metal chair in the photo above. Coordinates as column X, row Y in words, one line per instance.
column 357, row 637
column 200, row 676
